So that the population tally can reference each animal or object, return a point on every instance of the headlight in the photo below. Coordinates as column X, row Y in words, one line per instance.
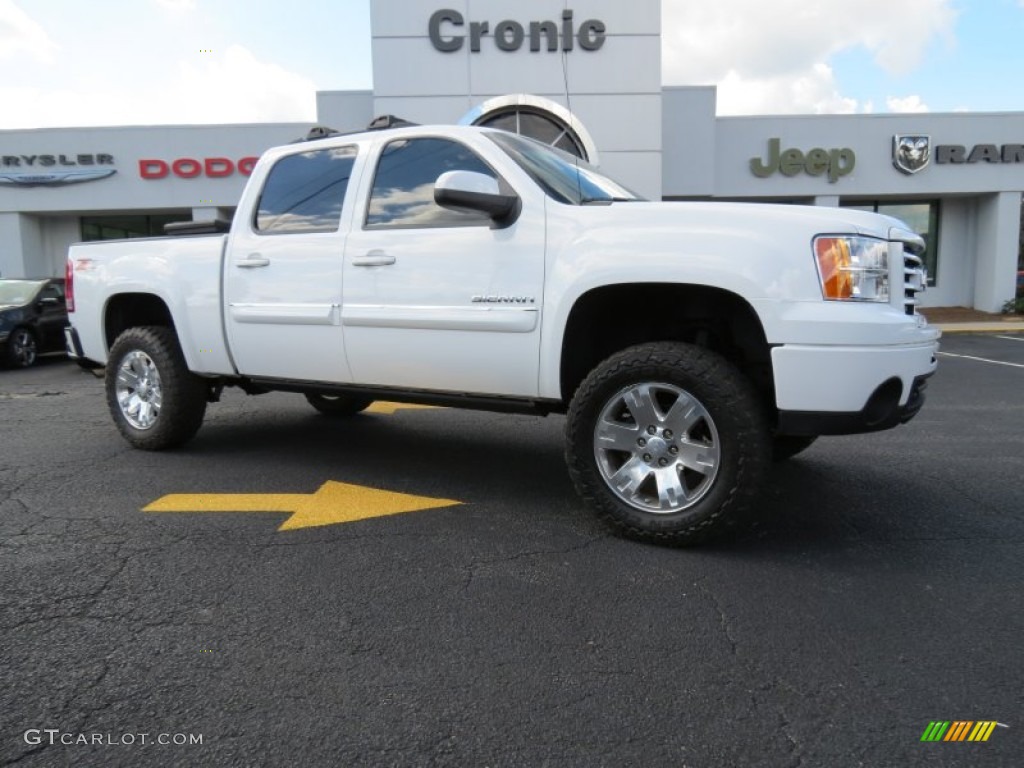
column 853, row 268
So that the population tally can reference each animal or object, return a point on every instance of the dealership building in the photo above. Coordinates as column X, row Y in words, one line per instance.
column 584, row 76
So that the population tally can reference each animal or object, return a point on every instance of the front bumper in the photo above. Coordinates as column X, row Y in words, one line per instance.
column 835, row 390
column 882, row 411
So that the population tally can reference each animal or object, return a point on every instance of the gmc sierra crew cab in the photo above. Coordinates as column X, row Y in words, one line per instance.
column 688, row 344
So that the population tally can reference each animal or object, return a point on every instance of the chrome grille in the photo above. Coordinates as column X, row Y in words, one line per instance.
column 915, row 280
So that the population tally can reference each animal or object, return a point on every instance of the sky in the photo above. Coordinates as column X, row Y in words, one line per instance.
column 153, row 62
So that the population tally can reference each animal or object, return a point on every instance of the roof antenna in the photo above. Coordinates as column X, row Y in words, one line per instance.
column 566, row 45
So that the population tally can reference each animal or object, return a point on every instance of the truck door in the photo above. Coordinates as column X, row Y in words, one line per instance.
column 283, row 270
column 437, row 299
column 53, row 316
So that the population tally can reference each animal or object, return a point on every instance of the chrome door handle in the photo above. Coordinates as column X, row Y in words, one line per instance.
column 254, row 260
column 374, row 258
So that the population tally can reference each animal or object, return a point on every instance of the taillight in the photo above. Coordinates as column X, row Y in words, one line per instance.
column 69, row 285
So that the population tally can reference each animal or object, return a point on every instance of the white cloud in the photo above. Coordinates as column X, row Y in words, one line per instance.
column 813, row 91
column 177, row 5
column 233, row 87
column 906, row 104
column 21, row 35
column 238, row 87
column 773, row 57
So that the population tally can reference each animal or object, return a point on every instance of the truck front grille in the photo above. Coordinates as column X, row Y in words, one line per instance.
column 915, row 280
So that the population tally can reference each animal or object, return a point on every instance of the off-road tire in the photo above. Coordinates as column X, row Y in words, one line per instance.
column 739, row 428
column 183, row 395
column 785, row 447
column 339, row 406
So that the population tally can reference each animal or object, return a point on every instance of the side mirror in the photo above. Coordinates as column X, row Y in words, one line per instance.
column 476, row 192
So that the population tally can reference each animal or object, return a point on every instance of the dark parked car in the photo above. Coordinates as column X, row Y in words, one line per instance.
column 33, row 314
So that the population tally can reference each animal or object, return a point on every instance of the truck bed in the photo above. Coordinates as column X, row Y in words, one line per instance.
column 189, row 270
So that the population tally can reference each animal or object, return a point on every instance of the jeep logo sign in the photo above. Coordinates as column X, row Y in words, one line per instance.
column 833, row 163
column 447, row 33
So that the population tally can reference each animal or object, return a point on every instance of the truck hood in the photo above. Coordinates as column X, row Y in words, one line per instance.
column 763, row 217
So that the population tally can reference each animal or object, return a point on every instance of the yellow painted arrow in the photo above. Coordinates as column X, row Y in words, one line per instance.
column 332, row 503
column 385, row 406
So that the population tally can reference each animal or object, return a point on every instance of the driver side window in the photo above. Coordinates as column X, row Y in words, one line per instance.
column 403, row 187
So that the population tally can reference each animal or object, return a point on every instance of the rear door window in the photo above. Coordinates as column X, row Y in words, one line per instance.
column 304, row 192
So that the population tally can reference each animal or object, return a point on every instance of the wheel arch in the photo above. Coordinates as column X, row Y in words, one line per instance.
column 608, row 319
column 26, row 326
column 129, row 310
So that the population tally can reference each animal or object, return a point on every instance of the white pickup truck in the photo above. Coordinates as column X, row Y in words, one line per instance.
column 689, row 344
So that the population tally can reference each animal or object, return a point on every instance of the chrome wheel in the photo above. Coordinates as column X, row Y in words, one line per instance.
column 23, row 348
column 155, row 400
column 138, row 390
column 657, row 447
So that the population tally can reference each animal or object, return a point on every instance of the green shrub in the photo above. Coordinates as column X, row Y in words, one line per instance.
column 1014, row 306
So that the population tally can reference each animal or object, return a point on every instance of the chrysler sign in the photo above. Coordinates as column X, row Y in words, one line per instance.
column 45, row 170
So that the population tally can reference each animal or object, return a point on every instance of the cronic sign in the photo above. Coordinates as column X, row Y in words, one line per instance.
column 448, row 31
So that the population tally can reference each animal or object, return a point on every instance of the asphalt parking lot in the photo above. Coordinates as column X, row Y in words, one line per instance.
column 875, row 589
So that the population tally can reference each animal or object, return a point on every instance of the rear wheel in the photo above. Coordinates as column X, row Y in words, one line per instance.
column 155, row 400
column 22, row 349
column 667, row 441
column 339, row 406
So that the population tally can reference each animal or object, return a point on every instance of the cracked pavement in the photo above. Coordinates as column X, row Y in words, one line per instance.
column 876, row 587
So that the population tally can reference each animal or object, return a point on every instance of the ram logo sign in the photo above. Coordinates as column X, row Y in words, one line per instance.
column 911, row 153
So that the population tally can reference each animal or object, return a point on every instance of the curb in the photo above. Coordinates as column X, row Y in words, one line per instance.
column 1000, row 327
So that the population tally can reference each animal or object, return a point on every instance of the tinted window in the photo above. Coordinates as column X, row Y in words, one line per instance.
column 120, row 227
column 304, row 192
column 403, row 188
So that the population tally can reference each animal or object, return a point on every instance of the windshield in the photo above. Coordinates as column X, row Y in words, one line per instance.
column 18, row 292
column 564, row 177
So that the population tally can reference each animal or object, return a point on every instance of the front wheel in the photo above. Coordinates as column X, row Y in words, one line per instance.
column 155, row 400
column 666, row 441
column 22, row 349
